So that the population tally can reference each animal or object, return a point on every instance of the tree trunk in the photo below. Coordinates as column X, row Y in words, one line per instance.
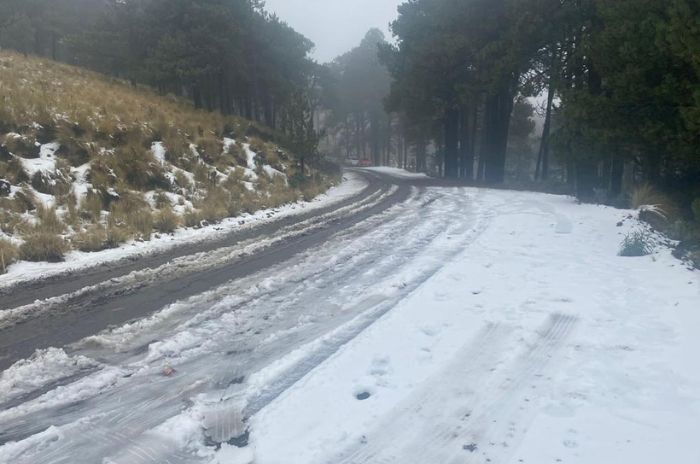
column 421, row 152
column 543, row 158
column 617, row 171
column 451, row 143
column 497, row 123
column 466, row 143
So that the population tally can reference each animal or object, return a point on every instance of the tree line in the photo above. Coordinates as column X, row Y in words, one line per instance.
column 618, row 80
column 230, row 56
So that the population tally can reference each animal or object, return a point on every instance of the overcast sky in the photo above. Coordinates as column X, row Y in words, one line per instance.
column 335, row 26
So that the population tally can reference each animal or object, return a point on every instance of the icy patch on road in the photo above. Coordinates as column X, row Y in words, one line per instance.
column 45, row 367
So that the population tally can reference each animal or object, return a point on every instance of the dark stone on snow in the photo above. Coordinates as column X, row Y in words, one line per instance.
column 4, row 188
column 654, row 219
column 5, row 154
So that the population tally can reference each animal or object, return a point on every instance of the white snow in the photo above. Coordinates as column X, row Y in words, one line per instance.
column 484, row 326
column 250, row 156
column 158, row 150
column 536, row 343
column 80, row 183
column 44, row 367
column 272, row 172
column 397, row 172
column 46, row 162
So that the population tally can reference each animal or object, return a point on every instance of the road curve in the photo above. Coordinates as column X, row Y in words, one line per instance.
column 64, row 309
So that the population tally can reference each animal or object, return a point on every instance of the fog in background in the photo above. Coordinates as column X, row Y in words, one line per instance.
column 335, row 26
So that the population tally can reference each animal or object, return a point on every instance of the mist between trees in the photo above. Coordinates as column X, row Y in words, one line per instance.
column 614, row 84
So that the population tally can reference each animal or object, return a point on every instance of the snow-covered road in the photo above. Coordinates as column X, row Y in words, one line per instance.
column 460, row 326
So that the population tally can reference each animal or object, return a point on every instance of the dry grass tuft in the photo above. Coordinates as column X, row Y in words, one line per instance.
column 43, row 246
column 107, row 128
column 647, row 197
column 8, row 254
column 166, row 221
column 94, row 238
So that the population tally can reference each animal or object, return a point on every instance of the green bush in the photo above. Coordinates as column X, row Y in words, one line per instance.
column 637, row 243
column 43, row 246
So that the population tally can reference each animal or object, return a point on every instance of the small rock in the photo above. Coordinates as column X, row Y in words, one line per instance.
column 5, row 189
column 470, row 447
column 620, row 224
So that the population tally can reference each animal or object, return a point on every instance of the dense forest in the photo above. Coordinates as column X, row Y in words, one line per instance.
column 225, row 55
column 619, row 81
column 616, row 82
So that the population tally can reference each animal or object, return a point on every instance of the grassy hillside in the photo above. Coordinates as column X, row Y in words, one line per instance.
column 89, row 163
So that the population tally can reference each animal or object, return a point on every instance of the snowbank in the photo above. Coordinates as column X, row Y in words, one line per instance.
column 396, row 172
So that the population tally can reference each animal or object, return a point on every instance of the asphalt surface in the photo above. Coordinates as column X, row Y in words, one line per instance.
column 102, row 301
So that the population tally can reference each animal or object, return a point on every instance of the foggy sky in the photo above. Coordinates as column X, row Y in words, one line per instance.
column 335, row 26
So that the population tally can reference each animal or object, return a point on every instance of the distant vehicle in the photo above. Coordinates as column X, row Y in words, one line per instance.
column 365, row 163
column 352, row 162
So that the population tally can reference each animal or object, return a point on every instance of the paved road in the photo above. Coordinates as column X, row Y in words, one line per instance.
column 511, row 308
column 218, row 312
column 71, row 307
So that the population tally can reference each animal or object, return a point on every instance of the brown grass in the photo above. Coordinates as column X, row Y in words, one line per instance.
column 43, row 246
column 166, row 221
column 94, row 238
column 112, row 125
column 656, row 202
column 8, row 254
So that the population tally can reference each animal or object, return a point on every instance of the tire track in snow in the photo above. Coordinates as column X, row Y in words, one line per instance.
column 134, row 427
column 485, row 410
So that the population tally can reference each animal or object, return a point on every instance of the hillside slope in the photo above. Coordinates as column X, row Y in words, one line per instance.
column 89, row 163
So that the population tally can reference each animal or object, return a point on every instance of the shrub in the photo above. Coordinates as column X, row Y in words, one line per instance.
column 75, row 152
column 8, row 254
column 13, row 171
column 637, row 243
column 22, row 146
column 91, row 207
column 132, row 212
column 696, row 209
column 183, row 181
column 210, row 149
column 116, row 236
column 166, row 221
column 10, row 222
column 647, row 198
column 192, row 218
column 91, row 240
column 43, row 246
column 49, row 221
column 24, row 201
column 137, row 167
column 238, row 154
column 51, row 183
column 161, row 200
column 217, row 205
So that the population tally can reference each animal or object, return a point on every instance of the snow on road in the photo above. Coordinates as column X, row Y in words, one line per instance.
column 396, row 172
column 76, row 260
column 465, row 325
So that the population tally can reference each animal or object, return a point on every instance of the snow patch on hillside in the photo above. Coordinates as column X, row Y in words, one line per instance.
column 351, row 185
